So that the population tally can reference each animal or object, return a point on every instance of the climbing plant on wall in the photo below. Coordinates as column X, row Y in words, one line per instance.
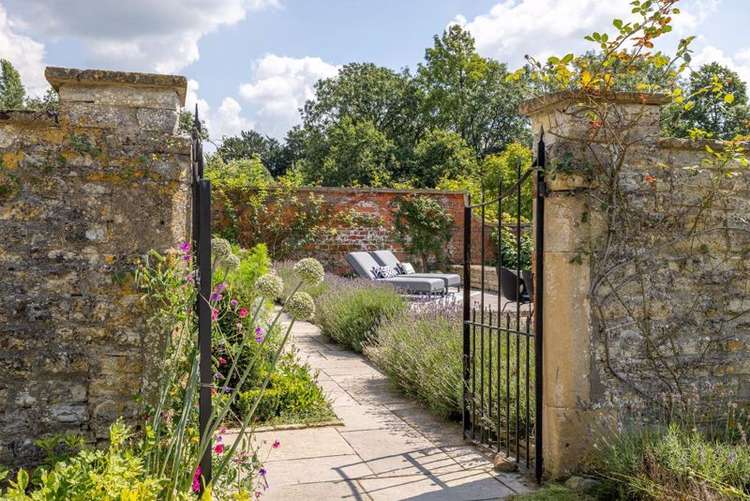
column 649, row 235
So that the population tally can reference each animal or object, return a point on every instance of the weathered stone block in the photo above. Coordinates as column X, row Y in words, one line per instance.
column 97, row 188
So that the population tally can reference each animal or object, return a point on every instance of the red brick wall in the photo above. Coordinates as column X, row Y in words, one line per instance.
column 376, row 208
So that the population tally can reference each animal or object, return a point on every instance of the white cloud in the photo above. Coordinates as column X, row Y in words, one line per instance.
column 279, row 88
column 739, row 62
column 158, row 35
column 540, row 28
column 226, row 120
column 24, row 53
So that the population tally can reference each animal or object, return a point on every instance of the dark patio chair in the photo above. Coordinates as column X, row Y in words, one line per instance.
column 511, row 287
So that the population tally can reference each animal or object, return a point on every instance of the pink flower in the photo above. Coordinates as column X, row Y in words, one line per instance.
column 276, row 444
column 214, row 314
column 233, row 303
column 243, row 312
column 197, row 479
column 222, row 361
column 219, row 448
column 185, row 247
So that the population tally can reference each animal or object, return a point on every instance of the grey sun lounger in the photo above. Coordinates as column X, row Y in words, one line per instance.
column 363, row 263
column 387, row 258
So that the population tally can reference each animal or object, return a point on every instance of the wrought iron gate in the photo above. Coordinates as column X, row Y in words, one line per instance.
column 502, row 332
column 201, row 248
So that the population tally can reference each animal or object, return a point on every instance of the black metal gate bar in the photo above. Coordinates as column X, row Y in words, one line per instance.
column 497, row 393
column 466, row 306
column 201, row 243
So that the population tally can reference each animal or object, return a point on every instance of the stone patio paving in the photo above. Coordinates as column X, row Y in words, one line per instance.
column 387, row 448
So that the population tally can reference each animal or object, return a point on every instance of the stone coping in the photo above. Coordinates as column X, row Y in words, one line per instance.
column 676, row 143
column 355, row 190
column 538, row 104
column 58, row 76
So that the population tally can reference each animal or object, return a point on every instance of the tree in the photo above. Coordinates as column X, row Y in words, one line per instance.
column 720, row 105
column 12, row 92
column 349, row 154
column 186, row 122
column 364, row 92
column 441, row 154
column 470, row 95
column 275, row 155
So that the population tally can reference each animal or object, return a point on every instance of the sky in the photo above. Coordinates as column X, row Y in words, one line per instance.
column 251, row 64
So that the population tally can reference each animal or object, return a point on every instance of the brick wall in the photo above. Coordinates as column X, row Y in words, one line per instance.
column 368, row 225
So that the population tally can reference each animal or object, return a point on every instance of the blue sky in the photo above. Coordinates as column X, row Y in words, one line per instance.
column 252, row 63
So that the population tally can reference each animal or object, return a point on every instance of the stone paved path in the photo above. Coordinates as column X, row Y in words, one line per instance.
column 388, row 447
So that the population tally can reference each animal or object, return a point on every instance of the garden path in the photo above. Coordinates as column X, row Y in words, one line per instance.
column 388, row 447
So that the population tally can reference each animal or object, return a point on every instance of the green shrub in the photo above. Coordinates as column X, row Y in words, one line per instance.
column 292, row 396
column 423, row 226
column 117, row 472
column 672, row 463
column 421, row 352
column 510, row 257
column 351, row 311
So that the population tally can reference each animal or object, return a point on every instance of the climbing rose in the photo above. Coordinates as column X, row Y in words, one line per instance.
column 310, row 270
column 243, row 312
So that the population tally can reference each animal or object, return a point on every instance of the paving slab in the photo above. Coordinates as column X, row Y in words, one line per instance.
column 389, row 447
column 318, row 491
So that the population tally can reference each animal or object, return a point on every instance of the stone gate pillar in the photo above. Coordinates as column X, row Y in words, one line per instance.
column 83, row 194
column 570, row 417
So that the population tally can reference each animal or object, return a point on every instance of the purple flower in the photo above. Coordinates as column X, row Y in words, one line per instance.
column 233, row 303
column 227, row 389
column 215, row 297
column 259, row 335
column 197, row 479
column 220, row 287
column 262, row 472
column 185, row 246
column 218, row 375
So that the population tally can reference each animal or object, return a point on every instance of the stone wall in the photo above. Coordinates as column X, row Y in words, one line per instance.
column 356, row 219
column 83, row 194
column 645, row 314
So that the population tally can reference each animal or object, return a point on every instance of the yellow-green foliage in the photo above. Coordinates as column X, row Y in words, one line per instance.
column 115, row 473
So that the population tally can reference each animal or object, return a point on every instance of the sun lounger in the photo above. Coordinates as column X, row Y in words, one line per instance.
column 363, row 264
column 387, row 258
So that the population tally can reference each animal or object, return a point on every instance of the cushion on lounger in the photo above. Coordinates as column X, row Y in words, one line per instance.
column 405, row 268
column 384, row 271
